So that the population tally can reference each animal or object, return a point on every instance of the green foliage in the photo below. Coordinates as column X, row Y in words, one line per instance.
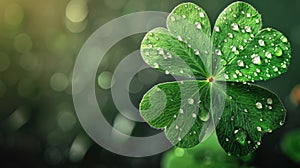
column 208, row 154
column 237, row 52
column 290, row 145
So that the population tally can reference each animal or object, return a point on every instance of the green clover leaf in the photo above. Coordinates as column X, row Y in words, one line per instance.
column 219, row 65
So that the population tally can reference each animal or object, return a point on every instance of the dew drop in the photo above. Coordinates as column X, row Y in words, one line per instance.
column 226, row 76
column 179, row 139
column 245, row 110
column 183, row 16
column 201, row 14
column 160, row 52
column 179, row 38
column 240, row 63
column 235, row 27
column 230, row 35
column 268, row 55
column 176, row 127
column 155, row 65
column 233, row 48
column 240, row 137
column 197, row 52
column 226, row 139
column 258, row 129
column 194, row 115
column 284, row 39
column 217, row 29
column 278, row 51
column 167, row 72
column 218, row 52
column 256, row 59
column 198, row 25
column 248, row 15
column 256, row 21
column 191, row 101
column 173, row 18
column 281, row 123
column 269, row 101
column 248, row 29
column 180, row 111
column 204, row 116
column 258, row 105
column 261, row 43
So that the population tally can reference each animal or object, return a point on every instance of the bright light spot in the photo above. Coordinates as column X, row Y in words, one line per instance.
column 4, row 62
column 79, row 147
column 13, row 14
column 23, row 42
column 76, row 10
column 75, row 27
column 122, row 126
column 105, row 80
column 59, row 82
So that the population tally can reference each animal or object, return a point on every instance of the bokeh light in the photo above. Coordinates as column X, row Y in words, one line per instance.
column 105, row 80
column 39, row 43
column 13, row 14
column 295, row 95
column 59, row 82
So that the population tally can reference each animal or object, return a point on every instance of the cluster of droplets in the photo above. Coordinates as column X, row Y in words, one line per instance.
column 243, row 33
column 260, row 59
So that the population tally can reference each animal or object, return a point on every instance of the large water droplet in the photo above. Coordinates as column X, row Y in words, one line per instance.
column 217, row 29
column 201, row 14
column 240, row 136
column 240, row 63
column 160, row 51
column 268, row 55
column 235, row 27
column 256, row 59
column 172, row 18
column 269, row 101
column 204, row 115
column 258, row 129
column 179, row 38
column 198, row 25
column 218, row 52
column 258, row 105
column 248, row 29
column 261, row 43
column 284, row 39
column 191, row 101
column 278, row 51
column 155, row 65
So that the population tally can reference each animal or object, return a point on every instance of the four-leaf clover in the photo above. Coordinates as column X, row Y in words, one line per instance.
column 224, row 63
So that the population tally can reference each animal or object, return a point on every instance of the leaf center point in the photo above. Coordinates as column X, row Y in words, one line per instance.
column 210, row 79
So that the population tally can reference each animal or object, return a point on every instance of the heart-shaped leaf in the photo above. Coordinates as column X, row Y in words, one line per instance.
column 237, row 52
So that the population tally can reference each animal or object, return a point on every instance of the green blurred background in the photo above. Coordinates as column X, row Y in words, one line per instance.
column 39, row 42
